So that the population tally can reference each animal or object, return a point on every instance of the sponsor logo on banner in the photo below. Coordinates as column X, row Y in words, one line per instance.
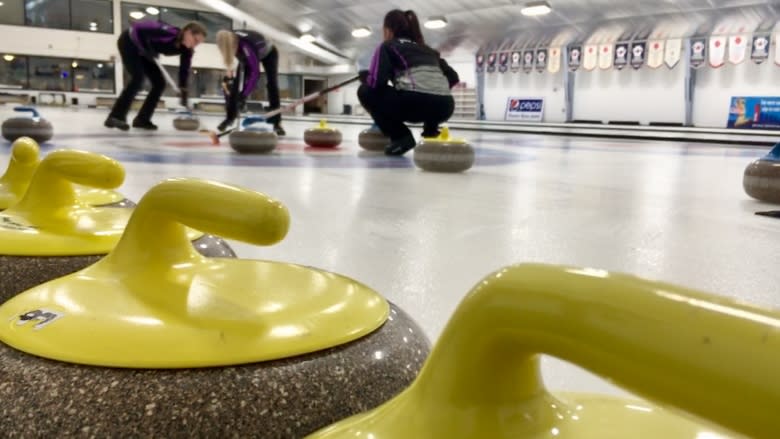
column 503, row 62
column 621, row 56
column 528, row 61
column 541, row 60
column 754, row 113
column 698, row 52
column 606, row 56
column 575, row 58
column 718, row 51
column 738, row 48
column 480, row 63
column 524, row 109
column 638, row 51
column 590, row 57
column 516, row 64
column 554, row 60
column 759, row 51
column 491, row 61
column 672, row 52
column 655, row 54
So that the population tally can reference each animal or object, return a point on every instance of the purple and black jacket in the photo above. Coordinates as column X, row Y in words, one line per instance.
column 155, row 37
column 252, row 48
column 411, row 67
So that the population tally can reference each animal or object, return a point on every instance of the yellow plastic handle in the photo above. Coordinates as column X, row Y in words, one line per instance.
column 21, row 167
column 25, row 151
column 709, row 356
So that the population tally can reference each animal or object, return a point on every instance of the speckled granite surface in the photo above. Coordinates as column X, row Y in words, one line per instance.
column 287, row 398
column 20, row 273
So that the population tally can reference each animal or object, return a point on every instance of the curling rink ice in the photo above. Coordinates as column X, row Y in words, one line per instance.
column 674, row 212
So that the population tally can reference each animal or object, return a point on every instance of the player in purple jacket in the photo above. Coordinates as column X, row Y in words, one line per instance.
column 139, row 46
column 251, row 49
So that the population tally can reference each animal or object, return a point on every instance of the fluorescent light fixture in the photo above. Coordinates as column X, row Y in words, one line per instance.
column 137, row 15
column 436, row 23
column 9, row 58
column 533, row 9
column 151, row 10
column 308, row 38
column 361, row 32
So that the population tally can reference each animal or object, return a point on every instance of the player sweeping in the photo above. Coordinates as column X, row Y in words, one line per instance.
column 139, row 47
column 422, row 82
column 250, row 49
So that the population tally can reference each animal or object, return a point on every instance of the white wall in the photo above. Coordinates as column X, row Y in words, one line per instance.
column 500, row 86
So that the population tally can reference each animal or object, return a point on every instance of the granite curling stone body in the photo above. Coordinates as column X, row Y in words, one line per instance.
column 35, row 127
column 50, row 232
column 709, row 358
column 186, row 122
column 444, row 154
column 25, row 158
column 762, row 177
column 255, row 137
column 322, row 136
column 174, row 344
column 373, row 139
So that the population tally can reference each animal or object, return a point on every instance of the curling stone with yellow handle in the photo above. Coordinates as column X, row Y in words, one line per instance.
column 25, row 159
column 158, row 340
column 708, row 364
column 322, row 136
column 50, row 232
column 444, row 154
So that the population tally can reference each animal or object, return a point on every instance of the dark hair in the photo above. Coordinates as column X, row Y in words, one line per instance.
column 404, row 25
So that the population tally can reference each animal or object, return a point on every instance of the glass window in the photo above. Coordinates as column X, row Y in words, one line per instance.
column 12, row 12
column 214, row 23
column 177, row 17
column 92, row 16
column 53, row 14
column 210, row 83
column 13, row 71
column 93, row 76
column 132, row 12
column 50, row 74
column 174, row 72
column 290, row 86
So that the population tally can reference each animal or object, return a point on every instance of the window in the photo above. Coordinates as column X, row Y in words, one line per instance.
column 53, row 14
column 173, row 71
column 132, row 12
column 13, row 71
column 12, row 12
column 214, row 23
column 50, row 74
column 93, row 76
column 290, row 86
column 177, row 17
column 92, row 16
column 210, row 83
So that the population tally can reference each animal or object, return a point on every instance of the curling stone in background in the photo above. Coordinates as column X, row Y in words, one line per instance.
column 444, row 154
column 169, row 343
column 50, row 232
column 186, row 121
column 34, row 126
column 762, row 177
column 322, row 136
column 254, row 137
column 373, row 139
column 25, row 159
column 709, row 358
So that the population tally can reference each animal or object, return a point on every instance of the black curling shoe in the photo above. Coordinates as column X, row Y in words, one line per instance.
column 113, row 122
column 401, row 146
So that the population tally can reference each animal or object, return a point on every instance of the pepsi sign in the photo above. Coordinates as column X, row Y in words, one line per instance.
column 525, row 109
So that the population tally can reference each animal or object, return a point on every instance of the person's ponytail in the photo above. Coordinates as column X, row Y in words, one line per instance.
column 414, row 27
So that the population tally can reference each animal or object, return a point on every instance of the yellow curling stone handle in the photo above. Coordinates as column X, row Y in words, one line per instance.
column 444, row 137
column 21, row 167
column 155, row 302
column 712, row 357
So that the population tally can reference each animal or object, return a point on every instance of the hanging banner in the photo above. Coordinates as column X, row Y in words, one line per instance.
column 621, row 55
column 491, row 63
column 528, row 61
column 718, row 51
column 516, row 64
column 754, row 113
column 480, row 63
column 777, row 51
column 759, row 51
column 541, row 60
column 575, row 58
column 590, row 58
column 606, row 56
column 503, row 62
column 554, row 60
column 672, row 52
column 655, row 54
column 698, row 52
column 638, row 50
column 738, row 48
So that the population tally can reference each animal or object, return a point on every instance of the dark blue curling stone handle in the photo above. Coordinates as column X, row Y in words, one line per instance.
column 28, row 109
column 774, row 154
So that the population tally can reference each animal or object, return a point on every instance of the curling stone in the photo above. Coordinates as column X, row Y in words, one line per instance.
column 708, row 358
column 762, row 177
column 25, row 160
column 170, row 343
column 186, row 121
column 373, row 139
column 50, row 232
column 35, row 127
column 444, row 154
column 254, row 137
column 322, row 136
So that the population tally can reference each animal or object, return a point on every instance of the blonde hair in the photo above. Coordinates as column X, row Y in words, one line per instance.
column 227, row 42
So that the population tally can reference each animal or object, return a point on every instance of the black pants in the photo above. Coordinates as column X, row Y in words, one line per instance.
column 137, row 66
column 271, row 67
column 390, row 108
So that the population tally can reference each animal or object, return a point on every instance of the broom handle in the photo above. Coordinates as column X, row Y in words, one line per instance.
column 310, row 97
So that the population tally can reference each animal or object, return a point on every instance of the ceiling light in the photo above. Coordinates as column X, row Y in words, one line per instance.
column 9, row 58
column 75, row 64
column 151, row 10
column 100, row 66
column 536, row 8
column 1, row 3
column 436, row 23
column 308, row 38
column 305, row 27
column 361, row 32
column 137, row 15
